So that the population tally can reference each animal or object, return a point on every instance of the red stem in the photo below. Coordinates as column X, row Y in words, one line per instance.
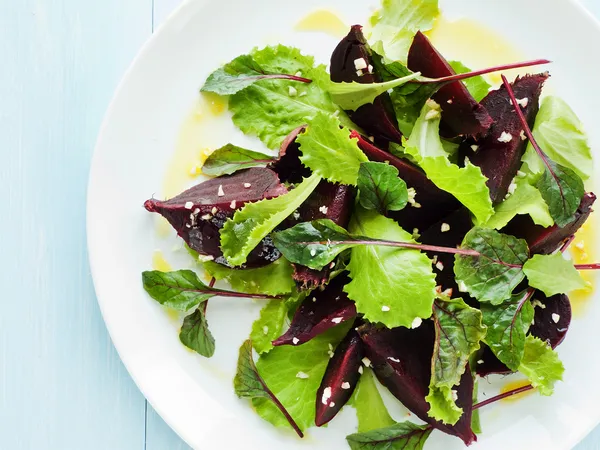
column 281, row 408
column 502, row 396
column 286, row 77
column 567, row 243
column 424, row 247
column 594, row 266
column 464, row 76
column 213, row 280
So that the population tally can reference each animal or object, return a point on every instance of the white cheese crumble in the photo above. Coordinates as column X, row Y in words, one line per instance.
column 295, row 341
column 360, row 64
column 480, row 361
column 205, row 258
column 454, row 394
column 522, row 135
column 206, row 217
column 292, row 91
column 214, row 210
column 189, row 205
column 523, row 102
column 505, row 137
column 332, row 265
column 332, row 404
column 324, row 209
column 580, row 245
column 445, row 227
column 536, row 303
column 345, row 385
column 360, row 370
column 393, row 359
column 474, row 147
column 314, row 299
column 439, row 265
column 385, row 308
column 232, row 205
column 220, row 191
column 449, row 101
column 302, row 375
column 359, row 73
column 366, row 361
column 416, row 323
column 247, row 185
column 337, row 320
column 326, row 395
column 370, row 68
column 555, row 317
column 313, row 252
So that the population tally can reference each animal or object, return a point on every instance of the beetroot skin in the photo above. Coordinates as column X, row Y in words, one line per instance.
column 199, row 213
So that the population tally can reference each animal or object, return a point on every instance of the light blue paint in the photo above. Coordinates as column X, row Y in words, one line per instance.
column 62, row 386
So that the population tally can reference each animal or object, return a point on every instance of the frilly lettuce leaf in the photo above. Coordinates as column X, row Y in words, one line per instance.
column 541, row 365
column 553, row 274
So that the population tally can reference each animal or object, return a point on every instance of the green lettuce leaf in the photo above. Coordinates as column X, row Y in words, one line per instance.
column 395, row 24
column 477, row 86
column 525, row 200
column 272, row 109
column 560, row 134
column 256, row 220
column 393, row 286
column 467, row 184
column 380, row 188
column 231, row 158
column 507, row 326
column 492, row 276
column 181, row 290
column 195, row 334
column 329, row 151
column 370, row 409
column 553, row 274
column 272, row 279
column 280, row 368
column 458, row 334
column 401, row 436
column 268, row 326
column 541, row 365
column 562, row 190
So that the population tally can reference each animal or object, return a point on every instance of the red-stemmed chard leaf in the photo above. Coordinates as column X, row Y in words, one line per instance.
column 249, row 384
column 401, row 436
column 498, row 154
column 377, row 118
column 401, row 359
column 561, row 188
column 319, row 312
column 380, row 188
column 428, row 203
column 340, row 379
column 461, row 113
column 199, row 213
column 547, row 240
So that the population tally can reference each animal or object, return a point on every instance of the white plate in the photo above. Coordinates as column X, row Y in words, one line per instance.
column 195, row 395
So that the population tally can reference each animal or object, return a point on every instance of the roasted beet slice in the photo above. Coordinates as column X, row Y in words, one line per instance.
column 401, row 359
column 377, row 119
column 200, row 212
column 448, row 232
column 552, row 318
column 340, row 379
column 319, row 312
column 433, row 203
column 488, row 364
column 548, row 240
column 461, row 113
column 288, row 165
column 499, row 153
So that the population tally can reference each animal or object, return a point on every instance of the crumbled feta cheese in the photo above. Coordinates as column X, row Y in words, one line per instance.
column 360, row 64
column 448, row 292
column 366, row 361
column 454, row 394
column 189, row 205
column 292, row 91
column 360, row 370
column 523, row 102
column 580, row 245
column 232, row 205
column 385, row 308
column 445, row 227
column 462, row 287
column 439, row 265
column 359, row 73
column 326, row 395
column 296, row 215
column 247, row 185
column 480, row 361
column 474, row 147
column 206, row 217
column 313, row 252
column 324, row 209
column 337, row 320
column 416, row 323
column 302, row 375
column 345, row 385
column 412, row 194
column 555, row 317
column 214, row 210
column 196, row 211
column 512, row 187
column 314, row 299
column 370, row 68
column 438, row 289
column 393, row 359
column 295, row 341
column 521, row 174
column 332, row 265
column 220, row 191
column 415, row 234
column 536, row 303
column 265, row 329
column 505, row 137
column 332, row 404
column 299, row 73
column 205, row 258
column 449, row 101
column 522, row 135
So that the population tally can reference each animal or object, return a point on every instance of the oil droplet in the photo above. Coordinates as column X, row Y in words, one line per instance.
column 476, row 46
column 511, row 386
column 323, row 21
column 159, row 262
column 582, row 252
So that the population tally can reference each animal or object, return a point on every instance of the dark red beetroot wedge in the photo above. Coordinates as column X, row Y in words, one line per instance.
column 200, row 212
column 550, row 324
column 340, row 379
column 377, row 119
column 319, row 312
column 499, row 153
column 329, row 201
column 401, row 359
column 433, row 202
column 288, row 165
column 548, row 240
column 448, row 232
column 461, row 113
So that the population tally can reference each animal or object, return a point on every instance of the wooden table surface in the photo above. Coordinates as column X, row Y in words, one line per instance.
column 62, row 385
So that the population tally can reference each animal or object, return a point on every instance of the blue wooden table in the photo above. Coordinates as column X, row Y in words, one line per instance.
column 62, row 385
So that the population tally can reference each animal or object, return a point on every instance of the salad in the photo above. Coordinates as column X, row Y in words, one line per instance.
column 411, row 228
